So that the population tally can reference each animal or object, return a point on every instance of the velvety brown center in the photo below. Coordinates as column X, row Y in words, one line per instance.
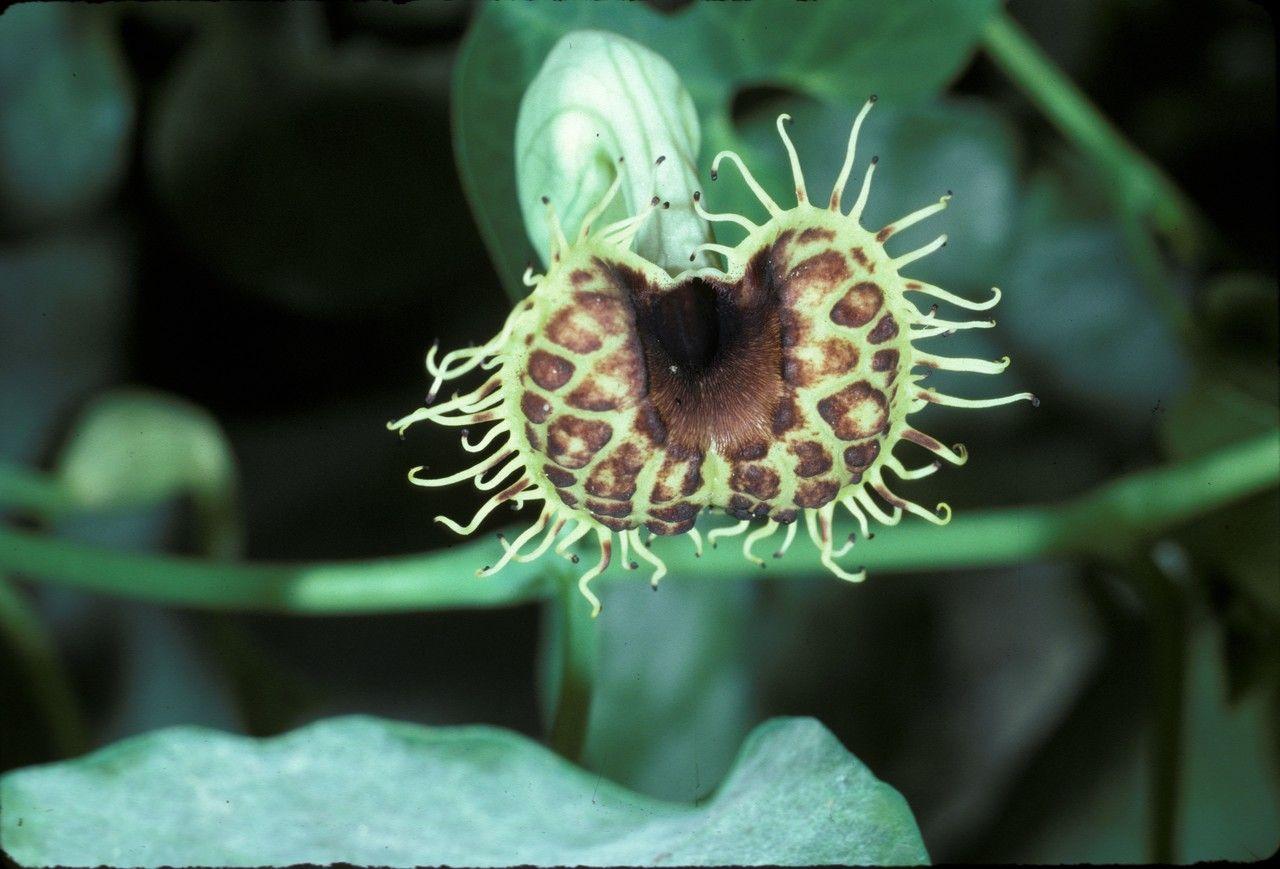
column 713, row 354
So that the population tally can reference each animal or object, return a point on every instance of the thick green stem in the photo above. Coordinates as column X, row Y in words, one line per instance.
column 577, row 649
column 1110, row 522
column 1169, row 626
column 34, row 651
column 1141, row 186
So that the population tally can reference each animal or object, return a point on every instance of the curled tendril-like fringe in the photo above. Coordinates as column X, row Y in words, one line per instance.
column 562, row 528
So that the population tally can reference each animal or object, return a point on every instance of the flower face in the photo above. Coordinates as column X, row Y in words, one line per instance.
column 774, row 389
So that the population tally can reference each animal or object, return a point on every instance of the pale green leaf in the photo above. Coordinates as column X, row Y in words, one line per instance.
column 372, row 792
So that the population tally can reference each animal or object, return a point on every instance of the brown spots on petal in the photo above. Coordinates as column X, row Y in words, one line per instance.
column 590, row 395
column 615, row 476
column 861, row 258
column 855, row 412
column 679, row 476
column 813, row 459
column 569, row 499
column 859, row 458
column 574, row 329
column 676, row 512
column 749, row 451
column 559, row 478
column 649, row 424
column 785, row 517
column 884, row 234
column 858, row 306
column 665, row 529
column 806, row 365
column 573, row 442
column 609, row 508
column 549, row 370
column 616, row 524
column 787, row 414
column 532, row 437
column 759, row 481
column 580, row 277
column 741, row 507
column 816, row 233
column 536, row 408
column 884, row 360
column 816, row 493
column 814, row 278
column 884, row 330
column 609, row 313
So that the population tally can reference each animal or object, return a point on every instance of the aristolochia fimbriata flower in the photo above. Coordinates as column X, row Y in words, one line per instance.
column 776, row 389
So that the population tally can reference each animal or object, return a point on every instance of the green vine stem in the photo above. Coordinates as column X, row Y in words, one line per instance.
column 34, row 651
column 1169, row 625
column 1110, row 522
column 577, row 646
column 1143, row 190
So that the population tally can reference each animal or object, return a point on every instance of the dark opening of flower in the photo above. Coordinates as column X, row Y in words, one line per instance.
column 776, row 389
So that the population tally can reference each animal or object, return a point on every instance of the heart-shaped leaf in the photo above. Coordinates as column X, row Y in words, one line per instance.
column 366, row 791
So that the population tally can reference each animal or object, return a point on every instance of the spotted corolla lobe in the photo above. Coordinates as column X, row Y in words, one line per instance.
column 773, row 389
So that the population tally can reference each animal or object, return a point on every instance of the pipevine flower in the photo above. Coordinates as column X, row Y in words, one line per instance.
column 775, row 389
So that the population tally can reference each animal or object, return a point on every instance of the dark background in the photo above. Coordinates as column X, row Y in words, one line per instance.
column 278, row 242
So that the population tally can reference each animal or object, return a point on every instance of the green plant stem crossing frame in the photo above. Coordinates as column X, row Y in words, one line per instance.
column 1109, row 522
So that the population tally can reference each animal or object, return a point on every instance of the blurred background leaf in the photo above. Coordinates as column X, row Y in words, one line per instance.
column 272, row 229
column 66, row 114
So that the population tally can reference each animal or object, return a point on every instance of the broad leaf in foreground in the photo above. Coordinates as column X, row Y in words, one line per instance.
column 367, row 791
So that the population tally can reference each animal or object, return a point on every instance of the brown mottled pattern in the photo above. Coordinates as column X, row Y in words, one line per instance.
column 813, row 459
column 787, row 415
column 679, row 476
column 615, row 475
column 536, row 408
column 759, row 481
column 887, row 328
column 815, row 233
column 532, row 437
column 558, row 477
column 618, row 510
column 884, row 360
column 572, row 442
column 809, row 364
column 616, row 381
column 676, row 512
column 859, row 457
column 549, row 371
column 815, row 493
column 810, row 281
column 574, row 329
column 858, row 305
column 855, row 412
column 749, row 451
column 567, row 497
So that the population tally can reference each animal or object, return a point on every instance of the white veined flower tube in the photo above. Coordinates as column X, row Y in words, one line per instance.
column 602, row 106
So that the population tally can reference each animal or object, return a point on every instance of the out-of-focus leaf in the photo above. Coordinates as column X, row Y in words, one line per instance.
column 314, row 178
column 1230, row 800
column 63, row 306
column 365, row 791
column 1082, row 321
column 944, row 684
column 135, row 446
column 674, row 693
column 839, row 53
column 66, row 112
column 602, row 106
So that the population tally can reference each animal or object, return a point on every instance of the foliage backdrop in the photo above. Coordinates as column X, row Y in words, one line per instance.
column 264, row 213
